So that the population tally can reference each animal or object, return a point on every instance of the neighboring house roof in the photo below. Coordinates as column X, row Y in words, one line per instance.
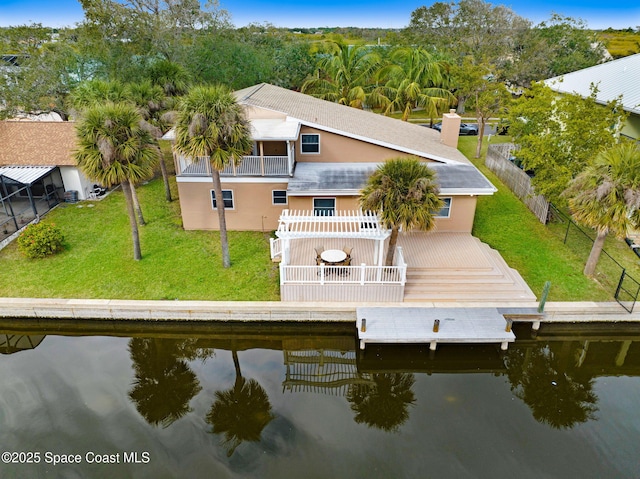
column 351, row 122
column 349, row 178
column 613, row 79
column 37, row 143
column 26, row 175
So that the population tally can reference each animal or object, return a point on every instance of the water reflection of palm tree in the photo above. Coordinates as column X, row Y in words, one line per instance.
column 240, row 413
column 385, row 403
column 164, row 382
column 556, row 395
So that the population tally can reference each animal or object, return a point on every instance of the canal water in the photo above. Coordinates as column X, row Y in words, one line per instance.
column 103, row 400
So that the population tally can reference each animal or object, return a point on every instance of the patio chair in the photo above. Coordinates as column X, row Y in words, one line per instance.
column 348, row 250
column 319, row 250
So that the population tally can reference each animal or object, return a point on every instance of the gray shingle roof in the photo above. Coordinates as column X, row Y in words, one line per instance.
column 614, row 78
column 368, row 126
column 349, row 178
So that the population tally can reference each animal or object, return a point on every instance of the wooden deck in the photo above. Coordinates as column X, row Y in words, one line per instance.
column 416, row 326
column 445, row 267
column 442, row 267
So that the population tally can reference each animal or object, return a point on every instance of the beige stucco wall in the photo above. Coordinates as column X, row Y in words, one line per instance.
column 253, row 210
column 338, row 148
column 460, row 220
column 254, row 113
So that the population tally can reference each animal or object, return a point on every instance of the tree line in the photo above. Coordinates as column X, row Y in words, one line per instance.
column 125, row 42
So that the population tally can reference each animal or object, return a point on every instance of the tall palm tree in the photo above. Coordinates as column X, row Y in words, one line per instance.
column 405, row 194
column 606, row 196
column 151, row 102
column 414, row 78
column 114, row 149
column 95, row 91
column 344, row 75
column 242, row 412
column 212, row 124
column 169, row 76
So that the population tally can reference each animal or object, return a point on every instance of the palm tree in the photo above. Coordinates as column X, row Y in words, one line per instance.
column 606, row 196
column 405, row 194
column 95, row 91
column 415, row 78
column 212, row 124
column 169, row 76
column 385, row 404
column 242, row 412
column 142, row 95
column 344, row 75
column 150, row 100
column 114, row 149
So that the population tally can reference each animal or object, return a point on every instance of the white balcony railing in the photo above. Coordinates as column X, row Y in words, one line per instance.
column 250, row 166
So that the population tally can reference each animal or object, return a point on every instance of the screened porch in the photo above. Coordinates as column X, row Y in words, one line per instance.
column 26, row 193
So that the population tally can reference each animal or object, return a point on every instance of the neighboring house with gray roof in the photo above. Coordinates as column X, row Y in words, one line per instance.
column 314, row 155
column 617, row 78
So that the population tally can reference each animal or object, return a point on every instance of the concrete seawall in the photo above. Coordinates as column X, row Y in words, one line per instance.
column 247, row 311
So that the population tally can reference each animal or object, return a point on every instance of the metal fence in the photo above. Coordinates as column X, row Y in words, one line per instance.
column 609, row 272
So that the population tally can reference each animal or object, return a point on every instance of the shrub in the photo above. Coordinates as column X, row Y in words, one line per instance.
column 39, row 240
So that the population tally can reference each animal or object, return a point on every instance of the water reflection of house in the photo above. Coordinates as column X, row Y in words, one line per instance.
column 329, row 368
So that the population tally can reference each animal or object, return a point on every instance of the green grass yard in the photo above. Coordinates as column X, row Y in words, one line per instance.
column 187, row 265
column 535, row 250
column 176, row 264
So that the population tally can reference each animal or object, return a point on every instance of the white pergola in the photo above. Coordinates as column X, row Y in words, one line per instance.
column 298, row 224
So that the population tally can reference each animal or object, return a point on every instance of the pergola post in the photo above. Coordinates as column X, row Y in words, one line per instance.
column 380, row 251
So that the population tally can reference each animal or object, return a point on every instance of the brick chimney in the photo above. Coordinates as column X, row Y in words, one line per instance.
column 450, row 130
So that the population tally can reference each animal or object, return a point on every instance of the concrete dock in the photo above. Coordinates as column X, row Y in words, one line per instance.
column 433, row 326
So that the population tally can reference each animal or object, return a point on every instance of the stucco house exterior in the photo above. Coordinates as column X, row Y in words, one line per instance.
column 310, row 160
column 314, row 155
column 617, row 78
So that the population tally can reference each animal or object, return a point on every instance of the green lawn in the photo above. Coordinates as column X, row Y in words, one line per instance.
column 176, row 264
column 504, row 222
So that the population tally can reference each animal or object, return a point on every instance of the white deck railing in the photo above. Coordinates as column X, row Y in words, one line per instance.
column 323, row 274
column 250, row 166
column 275, row 246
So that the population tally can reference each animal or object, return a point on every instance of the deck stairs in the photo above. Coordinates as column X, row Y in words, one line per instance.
column 479, row 274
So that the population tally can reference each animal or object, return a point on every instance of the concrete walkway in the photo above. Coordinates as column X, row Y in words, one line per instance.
column 244, row 311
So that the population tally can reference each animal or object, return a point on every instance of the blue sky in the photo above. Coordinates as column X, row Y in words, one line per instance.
column 360, row 13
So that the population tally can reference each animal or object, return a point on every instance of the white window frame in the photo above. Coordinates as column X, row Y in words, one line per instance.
column 232, row 199
column 302, row 135
column 324, row 198
column 273, row 197
column 447, row 207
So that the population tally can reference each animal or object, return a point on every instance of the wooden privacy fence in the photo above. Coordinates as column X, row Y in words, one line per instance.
column 516, row 179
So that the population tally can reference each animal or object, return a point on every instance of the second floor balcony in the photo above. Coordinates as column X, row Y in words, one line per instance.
column 251, row 165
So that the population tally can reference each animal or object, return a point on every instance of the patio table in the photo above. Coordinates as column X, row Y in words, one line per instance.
column 333, row 256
